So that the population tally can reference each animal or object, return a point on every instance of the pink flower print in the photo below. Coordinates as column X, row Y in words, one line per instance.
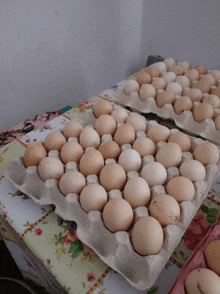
column 65, row 240
column 28, row 140
column 87, row 248
column 4, row 230
column 48, row 260
column 38, row 232
column 91, row 277
column 71, row 235
column 5, row 215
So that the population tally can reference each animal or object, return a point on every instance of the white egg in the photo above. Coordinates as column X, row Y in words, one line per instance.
column 154, row 173
column 131, row 86
column 193, row 170
column 169, row 77
column 119, row 115
column 175, row 87
column 130, row 160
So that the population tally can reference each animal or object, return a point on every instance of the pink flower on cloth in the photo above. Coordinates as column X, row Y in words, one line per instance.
column 87, row 248
column 3, row 229
column 5, row 215
column 71, row 235
column 48, row 260
column 38, row 232
column 91, row 277
column 65, row 240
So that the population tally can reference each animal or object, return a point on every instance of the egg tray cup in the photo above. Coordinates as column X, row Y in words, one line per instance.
column 115, row 249
column 185, row 120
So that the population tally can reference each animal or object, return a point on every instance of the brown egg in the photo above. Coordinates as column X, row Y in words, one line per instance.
column 215, row 73
column 181, row 189
column 72, row 182
column 54, row 141
column 91, row 163
column 89, row 138
column 158, row 83
column 138, row 122
column 50, row 168
column 119, row 115
column 203, row 111
column 213, row 100
column 199, row 68
column 144, row 146
column 72, row 129
column 184, row 64
column 93, row 197
column 203, row 86
column 153, row 71
column 143, row 78
column 125, row 134
column 158, row 133
column 102, row 107
column 169, row 155
column 177, row 69
column 105, row 124
column 217, row 122
column 117, row 215
column 192, row 74
column 34, row 154
column 71, row 151
column 112, row 176
column 194, row 94
column 216, row 91
column 184, row 103
column 206, row 153
column 165, row 97
column 147, row 91
column 109, row 149
column 209, row 78
column 212, row 256
column 182, row 140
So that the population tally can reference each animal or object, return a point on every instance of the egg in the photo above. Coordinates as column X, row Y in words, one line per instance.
column 206, row 153
column 54, row 141
column 50, row 168
column 34, row 154
column 147, row 236
column 183, row 81
column 217, row 122
column 144, row 146
column 89, row 138
column 158, row 133
column 147, row 91
column 169, row 155
column 143, row 78
column 160, row 65
column 182, row 140
column 202, row 280
column 175, row 87
column 216, row 91
column 102, row 107
column 203, row 111
column 194, row 94
column 184, row 103
column 181, row 189
column 72, row 129
column 153, row 71
column 137, row 192
column 184, row 64
column 105, row 124
column 199, row 68
column 131, row 86
column 72, row 182
column 215, row 73
column 120, row 115
column 193, row 170
column 93, row 197
column 165, row 209
column 125, row 134
column 192, row 74
column 112, row 176
column 158, row 83
column 117, row 215
column 109, row 149
column 212, row 256
column 130, row 160
column 209, row 78
column 203, row 86
column 169, row 62
column 71, row 151
column 177, row 69
column 169, row 77
column 213, row 100
column 165, row 97
column 91, row 163
column 154, row 173
column 138, row 122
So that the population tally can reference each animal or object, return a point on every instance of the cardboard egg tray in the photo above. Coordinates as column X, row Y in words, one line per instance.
column 115, row 249
column 185, row 120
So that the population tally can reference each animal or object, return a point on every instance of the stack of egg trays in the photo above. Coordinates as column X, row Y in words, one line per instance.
column 185, row 120
column 114, row 249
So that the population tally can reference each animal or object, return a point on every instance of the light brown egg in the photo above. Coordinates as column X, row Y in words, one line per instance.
column 203, row 86
column 206, row 153
column 147, row 236
column 183, row 81
column 194, row 94
column 119, row 115
column 213, row 100
column 109, row 149
column 125, row 134
column 93, row 197
column 184, row 64
column 112, row 176
column 165, row 209
column 71, row 151
column 72, row 129
column 153, row 71
column 158, row 83
column 138, row 122
column 216, row 91
column 102, row 107
column 89, row 138
column 177, row 69
column 199, row 68
column 203, row 111
column 147, row 91
column 217, row 122
column 117, row 215
column 184, row 103
column 212, row 256
column 144, row 146
column 91, row 163
column 72, row 182
column 50, row 168
column 192, row 74
column 181, row 189
column 169, row 155
column 34, row 154
column 54, row 141
column 169, row 62
column 209, row 78
column 105, row 124
column 158, row 133
column 182, row 140
column 143, row 78
column 215, row 73
column 165, row 97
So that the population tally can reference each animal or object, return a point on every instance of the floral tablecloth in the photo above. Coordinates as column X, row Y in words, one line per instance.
column 43, row 247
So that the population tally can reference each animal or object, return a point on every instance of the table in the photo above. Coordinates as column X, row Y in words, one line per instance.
column 52, row 255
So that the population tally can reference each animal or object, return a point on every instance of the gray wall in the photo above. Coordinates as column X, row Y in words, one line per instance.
column 56, row 53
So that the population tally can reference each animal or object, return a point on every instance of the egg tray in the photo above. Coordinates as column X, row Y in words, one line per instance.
column 185, row 120
column 114, row 249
